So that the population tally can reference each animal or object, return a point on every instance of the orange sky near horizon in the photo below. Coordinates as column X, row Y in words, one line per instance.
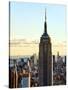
column 26, row 47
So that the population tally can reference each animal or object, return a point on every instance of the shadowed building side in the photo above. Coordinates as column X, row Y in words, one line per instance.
column 45, row 59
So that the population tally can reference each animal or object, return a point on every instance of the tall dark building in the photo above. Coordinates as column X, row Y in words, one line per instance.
column 45, row 58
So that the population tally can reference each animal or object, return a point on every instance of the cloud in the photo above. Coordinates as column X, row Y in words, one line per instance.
column 29, row 47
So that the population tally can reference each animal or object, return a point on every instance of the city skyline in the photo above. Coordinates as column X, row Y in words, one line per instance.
column 36, row 60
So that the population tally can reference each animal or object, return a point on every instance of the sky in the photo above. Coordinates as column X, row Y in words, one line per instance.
column 27, row 22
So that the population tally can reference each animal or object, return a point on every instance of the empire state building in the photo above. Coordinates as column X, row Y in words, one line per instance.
column 45, row 58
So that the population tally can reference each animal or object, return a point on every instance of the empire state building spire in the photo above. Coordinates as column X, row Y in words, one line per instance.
column 45, row 58
column 45, row 24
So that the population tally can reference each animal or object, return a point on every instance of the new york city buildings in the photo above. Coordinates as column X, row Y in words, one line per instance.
column 43, row 69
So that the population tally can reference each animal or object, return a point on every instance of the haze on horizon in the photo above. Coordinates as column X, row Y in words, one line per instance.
column 23, row 47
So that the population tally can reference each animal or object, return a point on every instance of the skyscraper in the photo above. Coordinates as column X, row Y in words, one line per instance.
column 45, row 58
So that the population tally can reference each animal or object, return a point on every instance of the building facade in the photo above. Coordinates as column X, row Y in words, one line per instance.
column 45, row 58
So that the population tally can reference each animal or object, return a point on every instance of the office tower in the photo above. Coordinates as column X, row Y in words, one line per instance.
column 45, row 58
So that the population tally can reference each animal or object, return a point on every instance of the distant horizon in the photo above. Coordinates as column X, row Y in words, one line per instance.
column 31, row 46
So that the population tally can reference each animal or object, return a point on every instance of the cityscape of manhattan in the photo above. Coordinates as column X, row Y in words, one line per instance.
column 37, row 45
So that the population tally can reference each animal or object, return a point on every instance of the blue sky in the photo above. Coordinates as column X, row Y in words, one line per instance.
column 27, row 20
